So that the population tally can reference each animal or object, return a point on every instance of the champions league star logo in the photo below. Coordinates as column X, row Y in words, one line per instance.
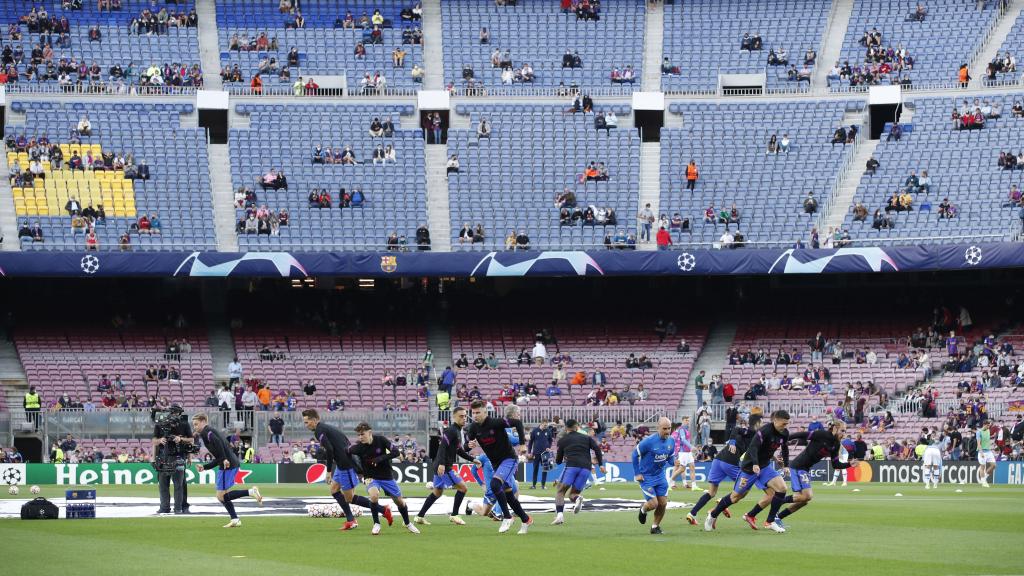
column 283, row 262
column 578, row 261
column 972, row 256
column 90, row 264
column 686, row 262
column 11, row 476
column 873, row 257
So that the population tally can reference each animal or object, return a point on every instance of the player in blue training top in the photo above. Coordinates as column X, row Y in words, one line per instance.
column 650, row 459
column 483, row 474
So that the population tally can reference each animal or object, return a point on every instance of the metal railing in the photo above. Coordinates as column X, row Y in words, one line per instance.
column 794, row 407
column 35, row 88
column 825, row 206
column 288, row 92
column 987, row 35
column 567, row 92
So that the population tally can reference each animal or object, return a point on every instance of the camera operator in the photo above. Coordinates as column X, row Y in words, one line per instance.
column 172, row 444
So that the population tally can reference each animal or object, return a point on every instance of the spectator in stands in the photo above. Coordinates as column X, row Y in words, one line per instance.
column 918, row 15
column 963, row 76
column 839, row 137
column 871, row 166
column 773, row 145
column 85, row 126
column 398, row 57
column 810, row 203
column 423, row 237
column 453, row 164
column 784, row 143
column 663, row 239
column 691, row 175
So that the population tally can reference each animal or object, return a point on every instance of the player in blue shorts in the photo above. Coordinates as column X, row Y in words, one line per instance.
column 449, row 449
column 226, row 462
column 375, row 453
column 726, row 465
column 334, row 446
column 574, row 448
column 756, row 470
column 483, row 472
column 650, row 459
column 495, row 440
column 822, row 443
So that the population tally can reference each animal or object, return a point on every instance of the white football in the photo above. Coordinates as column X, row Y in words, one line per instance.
column 34, row 489
column 12, row 490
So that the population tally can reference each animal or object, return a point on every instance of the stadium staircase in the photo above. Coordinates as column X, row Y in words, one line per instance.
column 8, row 219
column 438, row 220
column 852, row 172
column 713, row 356
column 222, row 344
column 209, row 45
column 995, row 41
column 650, row 184
column 433, row 49
column 654, row 33
column 832, row 43
column 439, row 340
column 223, row 198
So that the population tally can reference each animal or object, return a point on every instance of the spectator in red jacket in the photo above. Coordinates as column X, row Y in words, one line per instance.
column 663, row 238
column 728, row 391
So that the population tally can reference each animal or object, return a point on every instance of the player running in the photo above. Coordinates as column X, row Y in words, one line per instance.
column 986, row 458
column 756, row 469
column 227, row 464
column 931, row 464
column 684, row 456
column 344, row 480
column 844, row 457
column 483, row 472
column 726, row 465
column 375, row 453
column 822, row 443
column 574, row 448
column 448, row 450
column 650, row 459
column 494, row 439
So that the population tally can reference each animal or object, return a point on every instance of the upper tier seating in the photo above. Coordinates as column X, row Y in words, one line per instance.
column 537, row 32
column 324, row 49
column 793, row 25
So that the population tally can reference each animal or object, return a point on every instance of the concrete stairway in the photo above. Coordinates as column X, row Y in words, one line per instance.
column 844, row 199
column 433, row 48
column 438, row 220
column 650, row 186
column 831, row 43
column 8, row 218
column 223, row 198
column 209, row 45
column 713, row 356
column 654, row 31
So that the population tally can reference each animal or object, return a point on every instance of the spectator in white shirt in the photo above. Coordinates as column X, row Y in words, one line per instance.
column 540, row 353
column 234, row 371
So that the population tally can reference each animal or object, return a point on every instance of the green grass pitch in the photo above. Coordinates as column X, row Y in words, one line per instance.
column 872, row 531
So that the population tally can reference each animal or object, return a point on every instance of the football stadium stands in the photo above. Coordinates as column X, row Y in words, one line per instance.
column 284, row 139
column 956, row 161
column 527, row 146
column 539, row 34
column 729, row 144
column 325, row 46
column 177, row 195
column 937, row 57
column 792, row 26
column 135, row 38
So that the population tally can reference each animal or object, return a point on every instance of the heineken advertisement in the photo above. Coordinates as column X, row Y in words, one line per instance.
column 109, row 473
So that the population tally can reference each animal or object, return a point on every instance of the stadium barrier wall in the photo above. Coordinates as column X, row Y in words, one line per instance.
column 112, row 473
column 676, row 262
column 885, row 471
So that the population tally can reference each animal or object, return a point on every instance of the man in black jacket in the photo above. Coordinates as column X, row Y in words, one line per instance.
column 227, row 464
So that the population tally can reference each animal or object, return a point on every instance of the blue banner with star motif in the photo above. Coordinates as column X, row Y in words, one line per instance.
column 745, row 261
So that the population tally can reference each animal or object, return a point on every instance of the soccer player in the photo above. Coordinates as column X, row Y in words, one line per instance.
column 756, row 469
column 494, row 440
column 375, row 453
column 344, row 480
column 931, row 465
column 821, row 443
column 726, row 465
column 684, row 456
column 844, row 456
column 226, row 462
column 650, row 459
column 449, row 448
column 986, row 458
column 483, row 472
column 574, row 449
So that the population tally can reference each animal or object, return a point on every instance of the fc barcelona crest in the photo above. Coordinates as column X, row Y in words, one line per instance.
column 389, row 263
